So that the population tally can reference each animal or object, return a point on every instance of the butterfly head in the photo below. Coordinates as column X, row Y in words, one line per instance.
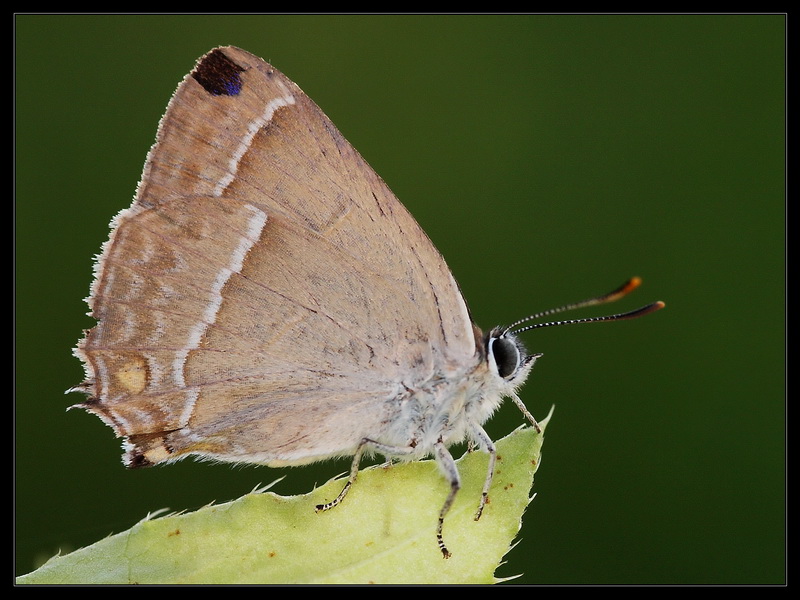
column 507, row 357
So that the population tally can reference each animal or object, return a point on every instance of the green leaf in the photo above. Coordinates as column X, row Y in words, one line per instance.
column 383, row 532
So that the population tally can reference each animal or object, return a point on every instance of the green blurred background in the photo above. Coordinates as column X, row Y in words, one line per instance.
column 549, row 158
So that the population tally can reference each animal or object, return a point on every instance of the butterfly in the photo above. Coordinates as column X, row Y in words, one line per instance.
column 267, row 299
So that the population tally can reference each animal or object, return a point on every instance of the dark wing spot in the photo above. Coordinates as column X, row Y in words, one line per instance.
column 218, row 74
column 137, row 460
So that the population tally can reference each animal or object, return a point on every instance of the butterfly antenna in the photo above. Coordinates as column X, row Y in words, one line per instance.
column 623, row 290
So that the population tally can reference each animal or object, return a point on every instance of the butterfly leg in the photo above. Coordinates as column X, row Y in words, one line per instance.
column 443, row 458
column 525, row 412
column 484, row 440
column 381, row 448
column 448, row 466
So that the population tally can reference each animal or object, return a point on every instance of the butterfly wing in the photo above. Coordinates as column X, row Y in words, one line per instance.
column 266, row 297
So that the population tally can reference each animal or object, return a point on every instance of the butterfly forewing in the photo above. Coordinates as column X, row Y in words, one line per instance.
column 266, row 296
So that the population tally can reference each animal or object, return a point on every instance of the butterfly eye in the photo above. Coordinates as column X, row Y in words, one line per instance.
column 506, row 355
